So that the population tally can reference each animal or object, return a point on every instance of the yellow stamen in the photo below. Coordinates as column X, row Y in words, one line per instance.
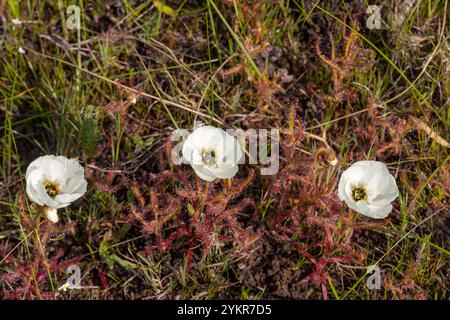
column 359, row 194
column 209, row 157
column 52, row 188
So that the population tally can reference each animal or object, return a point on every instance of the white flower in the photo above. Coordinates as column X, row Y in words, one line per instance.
column 51, row 214
column 55, row 182
column 212, row 153
column 368, row 188
column 16, row 21
column 21, row 50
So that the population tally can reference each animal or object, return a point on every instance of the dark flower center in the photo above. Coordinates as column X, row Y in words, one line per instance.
column 51, row 188
column 209, row 157
column 359, row 194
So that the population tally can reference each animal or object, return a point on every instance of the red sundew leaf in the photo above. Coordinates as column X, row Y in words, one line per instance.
column 66, row 264
column 188, row 262
column 137, row 193
column 102, row 276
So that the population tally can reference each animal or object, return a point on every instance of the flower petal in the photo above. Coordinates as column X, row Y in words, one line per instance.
column 380, row 186
column 82, row 188
column 383, row 189
column 51, row 214
column 365, row 209
column 57, row 171
column 67, row 198
column 34, row 179
column 207, row 136
column 230, row 151
column 204, row 173
column 45, row 198
column 341, row 188
column 227, row 172
column 379, row 212
column 37, row 164
column 227, row 150
column 74, row 180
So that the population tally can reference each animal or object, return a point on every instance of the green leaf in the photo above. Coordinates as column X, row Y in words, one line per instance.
column 142, row 143
column 88, row 132
column 123, row 263
column 164, row 8
column 14, row 6
column 238, row 41
column 123, row 230
column 103, row 250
